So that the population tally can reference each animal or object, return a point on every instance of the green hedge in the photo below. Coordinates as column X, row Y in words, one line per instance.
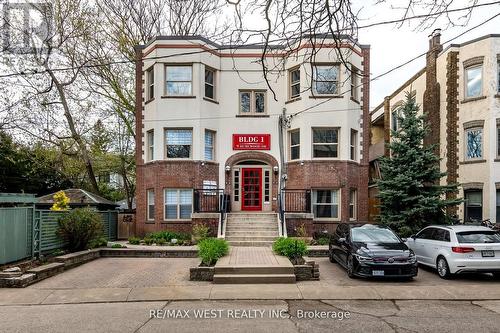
column 211, row 249
column 290, row 247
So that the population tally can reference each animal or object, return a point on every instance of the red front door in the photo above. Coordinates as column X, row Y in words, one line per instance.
column 251, row 189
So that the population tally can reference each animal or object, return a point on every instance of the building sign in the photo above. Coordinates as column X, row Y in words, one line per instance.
column 251, row 141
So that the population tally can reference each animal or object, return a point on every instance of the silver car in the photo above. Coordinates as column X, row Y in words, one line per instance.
column 457, row 249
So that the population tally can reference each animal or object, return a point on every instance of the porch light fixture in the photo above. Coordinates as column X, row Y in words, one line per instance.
column 228, row 168
column 275, row 169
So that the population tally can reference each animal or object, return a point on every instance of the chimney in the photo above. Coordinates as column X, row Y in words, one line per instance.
column 435, row 40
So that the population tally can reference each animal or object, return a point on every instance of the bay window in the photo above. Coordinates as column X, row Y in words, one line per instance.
column 178, row 80
column 325, row 142
column 473, row 205
column 353, row 198
column 178, row 143
column 354, row 83
column 326, row 79
column 210, row 83
column 294, row 82
column 325, row 203
column 354, row 145
column 150, row 83
column 178, row 204
column 150, row 138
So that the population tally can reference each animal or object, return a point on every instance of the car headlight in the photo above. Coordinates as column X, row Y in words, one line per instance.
column 363, row 258
column 412, row 258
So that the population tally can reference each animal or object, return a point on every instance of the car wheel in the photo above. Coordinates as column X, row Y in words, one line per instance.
column 330, row 256
column 443, row 269
column 350, row 267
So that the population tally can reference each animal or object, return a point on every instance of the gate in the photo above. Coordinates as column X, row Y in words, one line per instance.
column 16, row 233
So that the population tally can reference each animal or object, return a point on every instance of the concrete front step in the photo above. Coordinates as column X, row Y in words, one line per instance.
column 254, row 270
column 250, row 243
column 250, row 227
column 258, row 233
column 252, row 238
column 254, row 278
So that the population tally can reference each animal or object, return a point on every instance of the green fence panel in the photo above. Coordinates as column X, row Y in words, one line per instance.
column 110, row 221
column 16, row 234
column 49, row 240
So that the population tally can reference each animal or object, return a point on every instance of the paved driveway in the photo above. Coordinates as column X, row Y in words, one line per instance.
column 124, row 273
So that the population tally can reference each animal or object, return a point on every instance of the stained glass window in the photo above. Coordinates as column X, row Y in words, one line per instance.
column 474, row 143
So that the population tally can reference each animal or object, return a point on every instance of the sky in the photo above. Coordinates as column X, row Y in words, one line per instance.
column 392, row 45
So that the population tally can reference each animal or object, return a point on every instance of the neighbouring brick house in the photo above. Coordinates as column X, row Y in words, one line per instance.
column 459, row 91
column 207, row 123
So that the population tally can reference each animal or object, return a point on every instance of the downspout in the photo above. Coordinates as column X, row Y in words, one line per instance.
column 282, row 126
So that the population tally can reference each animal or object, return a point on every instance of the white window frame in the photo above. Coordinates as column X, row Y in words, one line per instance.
column 213, row 84
column 178, row 204
column 466, row 78
column 353, row 151
column 290, row 145
column 338, row 204
column 150, row 81
column 466, row 145
column 252, row 111
column 353, row 204
column 150, row 138
column 149, row 203
column 337, row 81
column 319, row 143
column 165, row 153
column 292, row 83
column 213, row 133
column 167, row 66
column 498, row 141
column 354, row 83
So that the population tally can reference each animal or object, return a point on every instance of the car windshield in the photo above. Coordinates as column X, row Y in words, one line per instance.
column 478, row 237
column 373, row 235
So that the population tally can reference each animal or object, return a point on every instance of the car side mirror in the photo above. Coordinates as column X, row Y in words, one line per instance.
column 342, row 240
column 413, row 236
column 404, row 240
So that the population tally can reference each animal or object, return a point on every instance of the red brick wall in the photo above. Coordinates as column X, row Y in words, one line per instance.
column 331, row 175
column 159, row 175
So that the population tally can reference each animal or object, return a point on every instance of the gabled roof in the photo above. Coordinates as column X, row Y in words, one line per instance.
column 77, row 196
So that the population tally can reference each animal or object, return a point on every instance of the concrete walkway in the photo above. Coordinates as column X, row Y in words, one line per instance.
column 254, row 256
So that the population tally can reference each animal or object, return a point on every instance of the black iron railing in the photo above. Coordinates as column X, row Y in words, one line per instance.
column 296, row 200
column 212, row 201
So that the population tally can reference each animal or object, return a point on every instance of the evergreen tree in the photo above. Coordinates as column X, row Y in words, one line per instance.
column 410, row 193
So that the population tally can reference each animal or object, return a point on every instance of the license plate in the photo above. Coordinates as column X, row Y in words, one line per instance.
column 488, row 253
column 378, row 273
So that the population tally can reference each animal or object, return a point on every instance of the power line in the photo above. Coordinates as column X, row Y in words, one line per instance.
column 230, row 47
column 397, row 67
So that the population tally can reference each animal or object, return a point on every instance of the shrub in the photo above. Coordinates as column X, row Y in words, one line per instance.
column 161, row 241
column 200, row 231
column 168, row 236
column 117, row 246
column 134, row 240
column 80, row 226
column 211, row 249
column 148, row 241
column 290, row 247
column 301, row 231
column 61, row 201
column 98, row 242
column 405, row 231
column 323, row 241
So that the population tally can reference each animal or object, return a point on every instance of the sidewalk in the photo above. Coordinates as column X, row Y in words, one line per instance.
column 247, row 292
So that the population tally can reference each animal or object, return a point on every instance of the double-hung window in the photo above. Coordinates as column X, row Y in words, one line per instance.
column 473, row 205
column 252, row 102
column 326, row 79
column 150, row 81
column 150, row 194
column 354, row 83
column 179, row 80
column 294, row 77
column 294, row 141
column 325, row 142
column 178, row 204
column 473, row 143
column 498, row 139
column 473, row 81
column 209, row 145
column 353, row 198
column 150, row 137
column 396, row 119
column 325, row 203
column 178, row 143
column 354, row 145
column 210, row 83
